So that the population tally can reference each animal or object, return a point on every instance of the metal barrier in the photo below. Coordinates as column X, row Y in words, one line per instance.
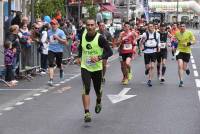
column 29, row 60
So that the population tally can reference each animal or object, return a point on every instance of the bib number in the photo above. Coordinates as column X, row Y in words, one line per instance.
column 128, row 47
column 162, row 45
column 88, row 62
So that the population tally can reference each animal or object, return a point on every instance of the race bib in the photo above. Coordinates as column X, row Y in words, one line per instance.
column 162, row 45
column 128, row 47
column 88, row 62
column 51, row 39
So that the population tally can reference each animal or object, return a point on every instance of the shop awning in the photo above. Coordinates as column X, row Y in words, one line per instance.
column 108, row 7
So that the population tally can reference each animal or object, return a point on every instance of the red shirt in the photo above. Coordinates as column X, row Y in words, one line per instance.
column 128, row 42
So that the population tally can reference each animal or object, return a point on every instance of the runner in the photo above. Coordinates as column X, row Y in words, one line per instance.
column 185, row 40
column 108, row 37
column 57, row 39
column 92, row 49
column 127, row 48
column 162, row 55
column 174, row 42
column 150, row 45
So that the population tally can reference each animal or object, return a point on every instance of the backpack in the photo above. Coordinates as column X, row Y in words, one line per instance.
column 154, row 37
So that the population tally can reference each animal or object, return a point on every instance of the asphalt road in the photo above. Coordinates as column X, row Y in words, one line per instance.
column 34, row 108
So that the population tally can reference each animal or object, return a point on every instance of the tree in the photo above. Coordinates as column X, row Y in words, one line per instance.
column 91, row 8
column 49, row 7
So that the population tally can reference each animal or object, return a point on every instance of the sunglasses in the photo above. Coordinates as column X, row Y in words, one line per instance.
column 36, row 28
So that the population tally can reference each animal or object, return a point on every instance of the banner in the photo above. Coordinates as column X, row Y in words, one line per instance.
column 146, row 9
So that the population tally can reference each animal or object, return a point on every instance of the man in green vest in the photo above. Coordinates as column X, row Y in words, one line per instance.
column 93, row 48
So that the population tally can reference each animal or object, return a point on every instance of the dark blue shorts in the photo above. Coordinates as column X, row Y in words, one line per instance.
column 174, row 44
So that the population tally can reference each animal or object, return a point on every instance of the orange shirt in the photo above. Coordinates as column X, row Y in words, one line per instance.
column 174, row 31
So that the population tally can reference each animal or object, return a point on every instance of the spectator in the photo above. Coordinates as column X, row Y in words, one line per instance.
column 44, row 48
column 14, row 38
column 17, row 19
column 9, row 53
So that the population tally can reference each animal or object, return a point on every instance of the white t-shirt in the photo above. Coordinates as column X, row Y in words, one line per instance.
column 151, row 42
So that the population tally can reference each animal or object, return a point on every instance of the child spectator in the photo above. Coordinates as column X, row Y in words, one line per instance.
column 9, row 54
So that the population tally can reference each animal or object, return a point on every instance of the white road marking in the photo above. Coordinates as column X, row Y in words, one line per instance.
column 20, row 89
column 197, row 81
column 66, row 80
column 1, row 114
column 62, row 82
column 191, row 57
column 194, row 66
column 199, row 95
column 28, row 99
column 196, row 74
column 8, row 108
column 121, row 96
column 57, row 85
column 19, row 103
column 44, row 91
column 192, row 61
column 35, row 95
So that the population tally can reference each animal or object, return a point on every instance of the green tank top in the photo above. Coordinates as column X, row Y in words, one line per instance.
column 90, row 49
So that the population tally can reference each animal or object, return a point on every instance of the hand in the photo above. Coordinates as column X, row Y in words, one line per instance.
column 78, row 61
column 158, row 50
column 55, row 37
column 14, row 50
column 94, row 59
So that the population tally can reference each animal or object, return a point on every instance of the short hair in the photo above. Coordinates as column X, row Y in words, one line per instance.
column 162, row 25
column 7, row 44
column 13, row 28
column 182, row 23
column 126, row 23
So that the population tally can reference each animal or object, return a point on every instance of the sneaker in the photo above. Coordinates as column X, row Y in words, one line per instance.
column 146, row 71
column 125, row 82
column 50, row 82
column 61, row 74
column 162, row 80
column 187, row 71
column 43, row 72
column 15, row 81
column 87, row 117
column 149, row 83
column 181, row 84
column 98, row 108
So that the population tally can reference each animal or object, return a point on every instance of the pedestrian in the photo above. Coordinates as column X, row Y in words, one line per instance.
column 9, row 54
column 185, row 40
column 57, row 39
column 149, row 43
column 92, row 49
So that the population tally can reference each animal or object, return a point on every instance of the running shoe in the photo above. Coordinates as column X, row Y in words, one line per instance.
column 162, row 80
column 187, row 71
column 87, row 117
column 125, row 82
column 50, row 82
column 181, row 84
column 149, row 83
column 98, row 108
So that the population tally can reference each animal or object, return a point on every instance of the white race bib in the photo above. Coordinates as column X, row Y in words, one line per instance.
column 128, row 47
column 88, row 62
column 162, row 45
column 52, row 39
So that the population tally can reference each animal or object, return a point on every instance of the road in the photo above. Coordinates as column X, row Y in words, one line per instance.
column 34, row 108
